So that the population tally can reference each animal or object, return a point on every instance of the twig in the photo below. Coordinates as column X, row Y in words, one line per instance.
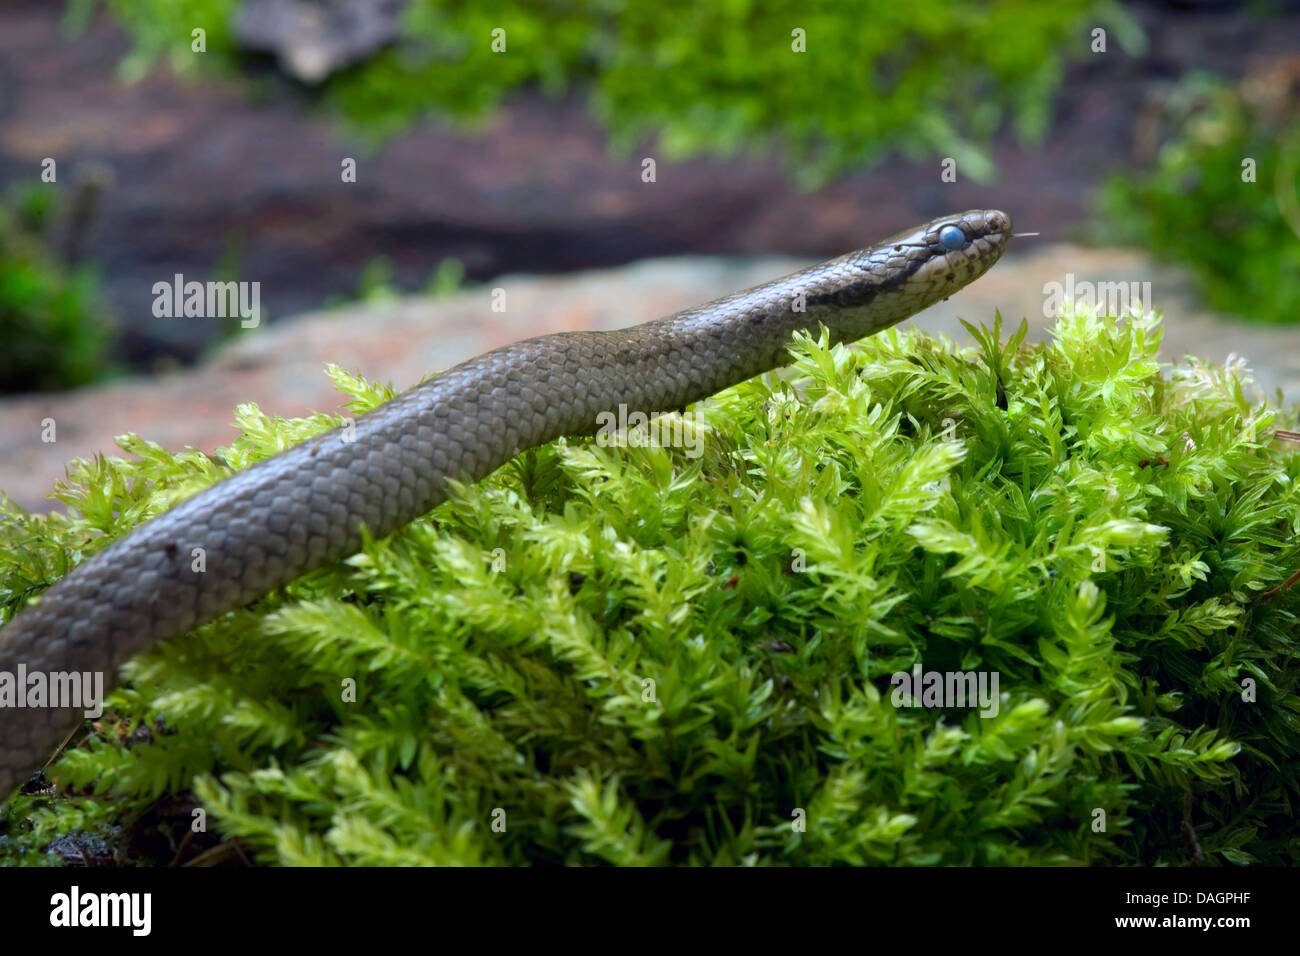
column 218, row 854
column 1285, row 585
column 1189, row 831
column 58, row 751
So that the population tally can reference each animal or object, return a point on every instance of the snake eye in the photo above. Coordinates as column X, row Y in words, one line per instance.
column 952, row 238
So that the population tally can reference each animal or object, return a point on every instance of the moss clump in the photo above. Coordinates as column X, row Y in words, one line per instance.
column 634, row 656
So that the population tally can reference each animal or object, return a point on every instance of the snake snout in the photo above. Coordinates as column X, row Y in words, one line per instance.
column 992, row 224
column 996, row 221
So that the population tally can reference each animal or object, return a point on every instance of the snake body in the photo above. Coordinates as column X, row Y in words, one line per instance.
column 305, row 507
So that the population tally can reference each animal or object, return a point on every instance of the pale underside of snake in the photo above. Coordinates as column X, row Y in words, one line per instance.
column 305, row 507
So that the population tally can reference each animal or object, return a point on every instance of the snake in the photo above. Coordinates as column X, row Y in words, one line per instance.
column 306, row 506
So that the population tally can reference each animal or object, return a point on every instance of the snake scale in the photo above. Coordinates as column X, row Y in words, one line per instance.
column 305, row 507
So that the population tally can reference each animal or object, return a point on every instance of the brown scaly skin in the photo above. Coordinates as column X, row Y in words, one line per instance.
column 304, row 507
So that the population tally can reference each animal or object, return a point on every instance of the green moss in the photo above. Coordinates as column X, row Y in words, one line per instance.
column 703, row 78
column 1220, row 199
column 52, row 322
column 634, row 656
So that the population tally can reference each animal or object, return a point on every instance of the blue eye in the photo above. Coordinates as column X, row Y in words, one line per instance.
column 952, row 238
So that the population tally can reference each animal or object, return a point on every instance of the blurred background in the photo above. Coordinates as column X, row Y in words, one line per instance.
column 379, row 167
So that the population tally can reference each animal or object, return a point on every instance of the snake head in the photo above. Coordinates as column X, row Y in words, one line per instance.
column 948, row 253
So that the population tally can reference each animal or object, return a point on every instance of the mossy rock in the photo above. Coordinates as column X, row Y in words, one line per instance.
column 641, row 655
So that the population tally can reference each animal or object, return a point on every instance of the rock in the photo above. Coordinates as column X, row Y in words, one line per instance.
column 314, row 38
